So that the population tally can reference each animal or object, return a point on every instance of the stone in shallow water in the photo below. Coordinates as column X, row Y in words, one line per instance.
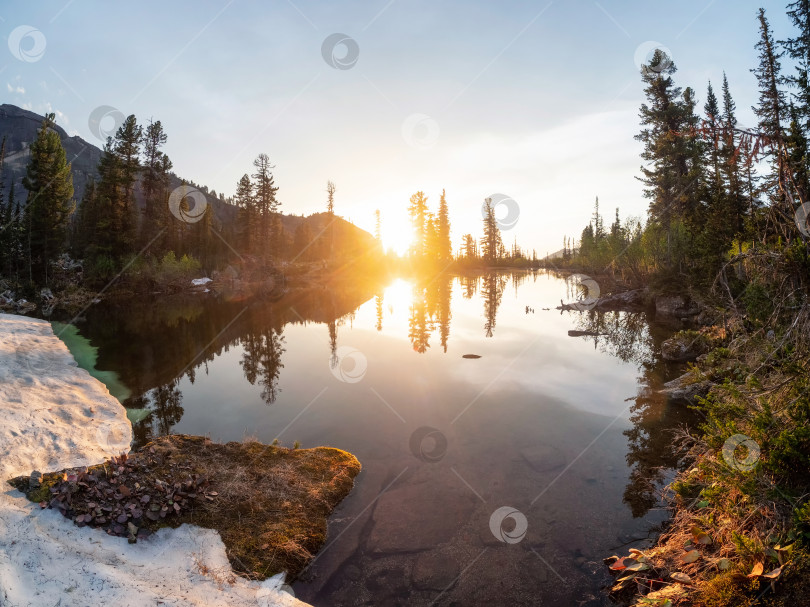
column 434, row 571
column 417, row 517
column 543, row 458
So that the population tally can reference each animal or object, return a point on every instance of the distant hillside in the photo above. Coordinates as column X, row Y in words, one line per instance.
column 555, row 255
column 20, row 127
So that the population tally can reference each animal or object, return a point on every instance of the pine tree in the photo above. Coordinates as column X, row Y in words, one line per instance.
column 418, row 212
column 739, row 205
column 671, row 148
column 492, row 246
column 469, row 247
column 798, row 48
column 772, row 112
column 267, row 207
column 713, row 127
column 156, row 167
column 49, row 182
column 248, row 218
column 127, row 150
column 445, row 247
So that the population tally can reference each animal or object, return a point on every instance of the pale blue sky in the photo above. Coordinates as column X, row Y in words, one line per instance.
column 536, row 100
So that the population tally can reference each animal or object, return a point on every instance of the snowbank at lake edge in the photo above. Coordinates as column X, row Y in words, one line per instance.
column 54, row 415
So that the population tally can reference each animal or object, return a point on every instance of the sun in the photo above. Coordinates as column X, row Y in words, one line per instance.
column 397, row 240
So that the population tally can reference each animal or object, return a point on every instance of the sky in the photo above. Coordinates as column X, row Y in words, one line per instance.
column 533, row 101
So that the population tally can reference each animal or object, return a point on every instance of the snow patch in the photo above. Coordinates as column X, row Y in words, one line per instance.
column 198, row 282
column 54, row 415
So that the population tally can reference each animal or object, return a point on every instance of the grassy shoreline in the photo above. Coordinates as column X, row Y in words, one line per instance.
column 740, row 528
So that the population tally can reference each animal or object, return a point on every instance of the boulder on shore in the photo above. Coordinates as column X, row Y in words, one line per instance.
column 675, row 306
column 685, row 388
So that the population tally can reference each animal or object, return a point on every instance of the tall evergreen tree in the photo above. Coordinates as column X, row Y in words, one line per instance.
column 798, row 48
column 418, row 212
column 127, row 149
column 445, row 246
column 156, row 167
column 732, row 167
column 247, row 214
column 266, row 206
column 671, row 149
column 49, row 182
column 772, row 112
column 491, row 245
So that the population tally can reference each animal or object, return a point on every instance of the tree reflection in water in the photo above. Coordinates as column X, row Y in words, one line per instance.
column 262, row 360
column 175, row 338
column 631, row 337
column 165, row 411
column 429, row 312
column 492, row 286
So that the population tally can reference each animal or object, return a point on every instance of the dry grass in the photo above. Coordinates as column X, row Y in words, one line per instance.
column 270, row 504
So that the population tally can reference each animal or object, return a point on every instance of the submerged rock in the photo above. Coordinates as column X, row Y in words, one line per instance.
column 543, row 458
column 405, row 518
column 434, row 571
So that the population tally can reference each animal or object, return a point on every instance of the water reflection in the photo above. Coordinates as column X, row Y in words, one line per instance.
column 430, row 313
column 207, row 364
column 262, row 360
column 492, row 286
column 633, row 338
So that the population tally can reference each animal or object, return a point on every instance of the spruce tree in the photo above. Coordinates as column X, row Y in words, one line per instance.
column 772, row 112
column 418, row 213
column 49, row 182
column 798, row 48
column 266, row 207
column 127, row 149
column 492, row 246
column 248, row 217
column 445, row 247
column 732, row 167
column 155, row 180
column 671, row 148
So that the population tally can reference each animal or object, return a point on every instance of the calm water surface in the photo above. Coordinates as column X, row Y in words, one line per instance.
column 565, row 431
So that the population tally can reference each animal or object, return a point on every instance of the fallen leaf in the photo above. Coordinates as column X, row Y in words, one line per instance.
column 690, row 557
column 772, row 575
column 637, row 566
column 619, row 564
column 701, row 537
column 724, row 564
column 681, row 577
column 757, row 570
